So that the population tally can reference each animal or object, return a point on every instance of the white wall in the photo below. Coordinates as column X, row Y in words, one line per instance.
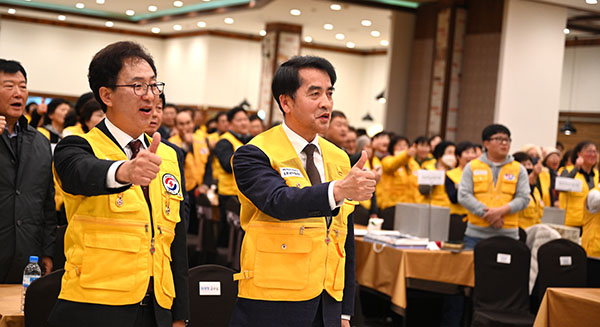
column 586, row 70
column 531, row 60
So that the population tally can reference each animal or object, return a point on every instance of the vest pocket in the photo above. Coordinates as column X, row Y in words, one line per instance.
column 110, row 261
column 509, row 187
column 171, row 206
column 127, row 201
column 282, row 261
column 167, row 283
column 480, row 183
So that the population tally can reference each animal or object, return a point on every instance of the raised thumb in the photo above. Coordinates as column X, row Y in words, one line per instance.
column 155, row 142
column 361, row 162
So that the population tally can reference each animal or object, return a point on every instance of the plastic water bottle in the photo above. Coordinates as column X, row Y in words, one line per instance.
column 32, row 272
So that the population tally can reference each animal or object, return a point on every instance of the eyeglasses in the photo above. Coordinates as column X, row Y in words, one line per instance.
column 501, row 139
column 141, row 89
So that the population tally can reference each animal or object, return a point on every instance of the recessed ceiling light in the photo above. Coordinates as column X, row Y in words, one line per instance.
column 109, row 24
column 308, row 39
column 79, row 5
column 385, row 43
column 228, row 20
column 375, row 34
column 591, row 2
column 566, row 31
column 340, row 36
column 350, row 45
column 12, row 11
column 366, row 22
column 62, row 17
column 335, row 6
column 129, row 12
column 152, row 8
column 177, row 27
column 328, row 27
column 201, row 24
column 262, row 33
column 178, row 3
column 295, row 12
column 155, row 30
column 100, row 2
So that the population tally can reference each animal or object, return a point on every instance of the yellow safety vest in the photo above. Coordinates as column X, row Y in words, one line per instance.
column 226, row 184
column 455, row 175
column 494, row 196
column 590, row 238
column 74, row 130
column 574, row 202
column 195, row 165
column 293, row 260
column 109, row 244
column 545, row 183
column 532, row 215
column 398, row 182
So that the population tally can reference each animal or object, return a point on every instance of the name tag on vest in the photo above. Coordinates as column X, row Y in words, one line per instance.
column 290, row 172
column 479, row 172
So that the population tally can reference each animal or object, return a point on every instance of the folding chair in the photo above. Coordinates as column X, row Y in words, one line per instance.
column 40, row 298
column 561, row 263
column 212, row 295
column 593, row 264
column 501, row 293
column 235, row 232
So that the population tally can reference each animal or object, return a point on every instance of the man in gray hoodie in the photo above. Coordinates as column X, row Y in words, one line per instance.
column 493, row 188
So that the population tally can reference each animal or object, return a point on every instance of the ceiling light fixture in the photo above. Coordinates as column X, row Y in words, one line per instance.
column 566, row 31
column 335, row 6
column 201, row 24
column 328, row 27
column 79, row 5
column 262, row 33
column 100, row 2
column 109, row 24
column 178, row 3
column 228, row 20
column 295, row 12
column 62, row 17
column 155, row 30
column 152, row 8
column 375, row 33
column 385, row 43
column 340, row 36
column 591, row 2
column 350, row 45
column 381, row 97
column 129, row 12
column 366, row 22
column 12, row 11
column 177, row 27
column 308, row 39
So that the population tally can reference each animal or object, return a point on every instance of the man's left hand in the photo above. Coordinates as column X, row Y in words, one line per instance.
column 178, row 323
column 47, row 265
column 345, row 323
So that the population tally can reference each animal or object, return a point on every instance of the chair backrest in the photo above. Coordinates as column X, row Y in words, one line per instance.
column 213, row 293
column 58, row 260
column 501, row 275
column 522, row 235
column 593, row 264
column 40, row 298
column 561, row 263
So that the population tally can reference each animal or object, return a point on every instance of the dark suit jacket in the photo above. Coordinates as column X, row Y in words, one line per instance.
column 267, row 190
column 82, row 173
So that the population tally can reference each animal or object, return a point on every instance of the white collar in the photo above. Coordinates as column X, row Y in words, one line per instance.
column 298, row 142
column 122, row 138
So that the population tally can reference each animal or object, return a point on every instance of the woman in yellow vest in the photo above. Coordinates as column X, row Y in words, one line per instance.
column 53, row 125
column 398, row 182
column 585, row 157
column 551, row 164
column 445, row 159
column 90, row 115
column 590, row 239
column 465, row 152
column 532, row 214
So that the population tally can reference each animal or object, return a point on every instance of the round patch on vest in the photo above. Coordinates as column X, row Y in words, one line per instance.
column 509, row 177
column 171, row 184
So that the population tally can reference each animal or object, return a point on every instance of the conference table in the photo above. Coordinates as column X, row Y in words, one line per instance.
column 10, row 306
column 391, row 271
column 569, row 307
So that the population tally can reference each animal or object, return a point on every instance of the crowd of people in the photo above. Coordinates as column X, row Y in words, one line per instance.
column 123, row 143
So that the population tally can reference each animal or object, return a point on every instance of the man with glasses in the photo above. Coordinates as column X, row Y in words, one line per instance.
column 493, row 189
column 125, row 246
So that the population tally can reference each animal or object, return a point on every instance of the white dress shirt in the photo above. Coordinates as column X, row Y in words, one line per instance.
column 123, row 139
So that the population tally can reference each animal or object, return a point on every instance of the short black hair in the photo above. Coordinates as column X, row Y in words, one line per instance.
column 380, row 134
column 254, row 117
column 86, row 112
column 12, row 67
column 438, row 152
column 83, row 99
column 52, row 107
column 231, row 113
column 462, row 147
column 219, row 114
column 394, row 140
column 286, row 80
column 166, row 105
column 421, row 140
column 493, row 129
column 336, row 114
column 29, row 105
column 163, row 99
column 107, row 64
column 580, row 147
column 433, row 137
column 522, row 157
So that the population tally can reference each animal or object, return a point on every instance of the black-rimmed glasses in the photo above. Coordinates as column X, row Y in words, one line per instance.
column 141, row 89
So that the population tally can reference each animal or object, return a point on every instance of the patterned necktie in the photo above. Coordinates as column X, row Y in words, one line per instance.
column 311, row 169
column 135, row 146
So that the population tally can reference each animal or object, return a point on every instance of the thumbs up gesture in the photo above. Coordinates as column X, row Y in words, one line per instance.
column 142, row 169
column 358, row 185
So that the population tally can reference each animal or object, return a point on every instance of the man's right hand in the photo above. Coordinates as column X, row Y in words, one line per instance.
column 2, row 124
column 143, row 168
column 358, row 185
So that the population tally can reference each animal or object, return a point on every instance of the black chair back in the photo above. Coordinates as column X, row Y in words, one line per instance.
column 522, row 235
column 40, row 298
column 501, row 275
column 561, row 263
column 211, row 310
column 593, row 267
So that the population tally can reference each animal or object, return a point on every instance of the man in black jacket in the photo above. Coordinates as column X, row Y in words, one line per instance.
column 28, row 220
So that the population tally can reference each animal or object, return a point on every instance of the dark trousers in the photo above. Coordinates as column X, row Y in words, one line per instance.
column 223, row 234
